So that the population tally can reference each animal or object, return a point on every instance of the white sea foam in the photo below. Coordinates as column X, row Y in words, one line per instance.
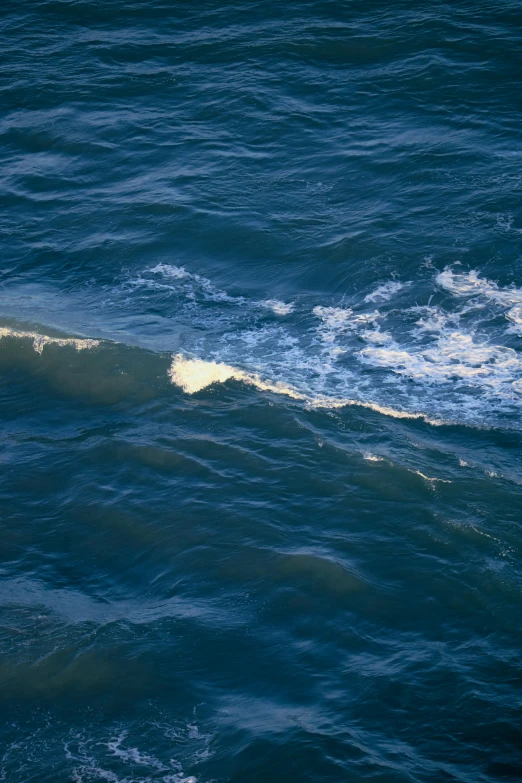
column 41, row 340
column 177, row 279
column 517, row 386
column 92, row 772
column 385, row 292
column 372, row 457
column 88, row 764
column 376, row 336
column 133, row 755
column 430, row 479
column 337, row 322
column 515, row 316
column 278, row 307
column 471, row 284
column 433, row 319
column 454, row 357
column 175, row 272
column 341, row 319
column 385, row 410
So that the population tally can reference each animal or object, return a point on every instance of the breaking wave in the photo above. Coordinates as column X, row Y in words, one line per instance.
column 193, row 375
column 442, row 361
column 433, row 361
column 41, row 340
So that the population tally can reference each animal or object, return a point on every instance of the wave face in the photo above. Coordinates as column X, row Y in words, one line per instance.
column 260, row 392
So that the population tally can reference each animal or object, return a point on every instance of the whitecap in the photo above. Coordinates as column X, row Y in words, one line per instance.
column 41, row 340
column 193, row 375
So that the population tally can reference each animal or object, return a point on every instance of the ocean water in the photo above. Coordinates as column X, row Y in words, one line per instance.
column 261, row 392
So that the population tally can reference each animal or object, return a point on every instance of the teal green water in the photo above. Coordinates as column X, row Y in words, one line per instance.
column 261, row 392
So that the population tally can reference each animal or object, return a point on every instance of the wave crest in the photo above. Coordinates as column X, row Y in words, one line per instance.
column 41, row 340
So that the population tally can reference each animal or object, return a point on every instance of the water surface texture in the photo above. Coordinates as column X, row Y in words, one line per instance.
column 261, row 392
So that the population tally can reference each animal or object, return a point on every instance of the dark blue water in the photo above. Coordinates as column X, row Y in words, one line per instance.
column 261, row 392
